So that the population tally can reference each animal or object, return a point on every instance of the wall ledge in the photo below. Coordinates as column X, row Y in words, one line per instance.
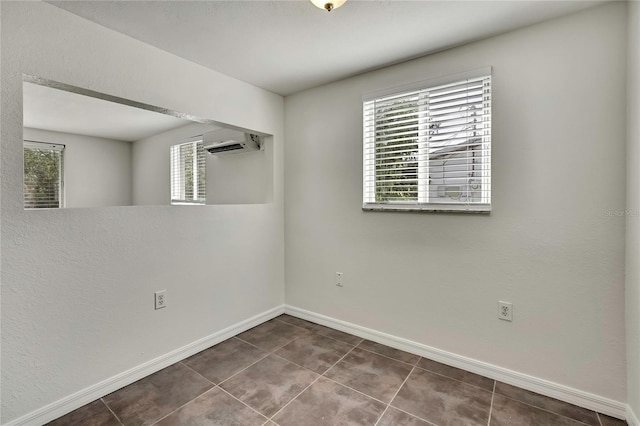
column 69, row 403
column 587, row 400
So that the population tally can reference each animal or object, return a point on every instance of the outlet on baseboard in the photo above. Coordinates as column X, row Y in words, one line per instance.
column 505, row 310
column 161, row 299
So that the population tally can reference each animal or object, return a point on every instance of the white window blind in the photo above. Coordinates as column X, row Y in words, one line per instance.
column 429, row 147
column 43, row 175
column 188, row 175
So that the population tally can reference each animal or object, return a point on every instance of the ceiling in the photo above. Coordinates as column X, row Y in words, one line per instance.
column 289, row 46
column 60, row 111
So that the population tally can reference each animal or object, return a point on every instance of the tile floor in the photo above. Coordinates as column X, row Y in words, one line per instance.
column 291, row 372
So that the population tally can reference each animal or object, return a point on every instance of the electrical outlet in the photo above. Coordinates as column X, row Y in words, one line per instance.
column 161, row 299
column 505, row 310
column 339, row 282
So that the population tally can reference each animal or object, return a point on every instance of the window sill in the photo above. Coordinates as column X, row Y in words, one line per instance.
column 188, row 203
column 429, row 208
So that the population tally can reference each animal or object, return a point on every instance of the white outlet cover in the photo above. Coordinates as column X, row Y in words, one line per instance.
column 160, row 299
column 505, row 311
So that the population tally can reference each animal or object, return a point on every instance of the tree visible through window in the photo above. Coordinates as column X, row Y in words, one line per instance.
column 43, row 183
column 188, row 173
column 429, row 148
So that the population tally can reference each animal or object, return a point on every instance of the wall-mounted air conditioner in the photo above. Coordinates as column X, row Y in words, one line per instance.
column 227, row 141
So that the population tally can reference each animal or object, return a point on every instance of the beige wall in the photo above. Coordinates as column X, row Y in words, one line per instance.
column 633, row 210
column 77, row 284
column 552, row 245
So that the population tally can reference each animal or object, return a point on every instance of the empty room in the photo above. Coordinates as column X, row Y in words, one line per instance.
column 320, row 212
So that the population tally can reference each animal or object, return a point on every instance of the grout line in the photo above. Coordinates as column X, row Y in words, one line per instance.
column 332, row 380
column 413, row 415
column 348, row 343
column 394, row 395
column 277, row 348
column 185, row 365
column 599, row 419
column 311, row 384
column 418, row 361
column 493, row 394
column 294, row 398
column 295, row 363
column 458, row 380
column 388, row 357
column 355, row 390
column 247, row 405
column 111, row 411
column 180, row 407
column 240, row 371
column 287, row 322
column 251, row 344
column 290, row 341
column 552, row 412
column 313, row 331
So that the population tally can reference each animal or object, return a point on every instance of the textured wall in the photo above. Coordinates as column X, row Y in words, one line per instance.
column 633, row 209
column 77, row 284
column 553, row 245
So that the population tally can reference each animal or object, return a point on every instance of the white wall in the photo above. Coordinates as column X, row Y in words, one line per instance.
column 244, row 178
column 97, row 171
column 633, row 210
column 549, row 245
column 83, row 312
column 241, row 178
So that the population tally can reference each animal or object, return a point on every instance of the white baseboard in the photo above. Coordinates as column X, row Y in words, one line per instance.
column 554, row 390
column 632, row 419
column 67, row 404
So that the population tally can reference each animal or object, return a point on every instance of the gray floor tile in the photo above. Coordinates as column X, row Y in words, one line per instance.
column 326, row 403
column 157, row 395
column 509, row 412
column 389, row 351
column 315, row 352
column 299, row 322
column 223, row 360
column 269, row 384
column 214, row 408
column 372, row 374
column 442, row 400
column 338, row 335
column 395, row 417
column 93, row 414
column 456, row 373
column 272, row 334
column 550, row 404
column 611, row 421
column 433, row 394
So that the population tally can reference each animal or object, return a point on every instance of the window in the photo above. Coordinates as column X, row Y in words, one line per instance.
column 43, row 182
column 428, row 146
column 188, row 173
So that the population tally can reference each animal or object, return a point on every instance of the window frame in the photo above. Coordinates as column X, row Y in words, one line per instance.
column 50, row 146
column 420, row 205
column 199, row 142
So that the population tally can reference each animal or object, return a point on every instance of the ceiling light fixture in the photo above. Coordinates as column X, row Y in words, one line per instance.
column 328, row 5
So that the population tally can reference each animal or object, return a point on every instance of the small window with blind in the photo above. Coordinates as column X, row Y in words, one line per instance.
column 188, row 173
column 428, row 146
column 43, row 175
